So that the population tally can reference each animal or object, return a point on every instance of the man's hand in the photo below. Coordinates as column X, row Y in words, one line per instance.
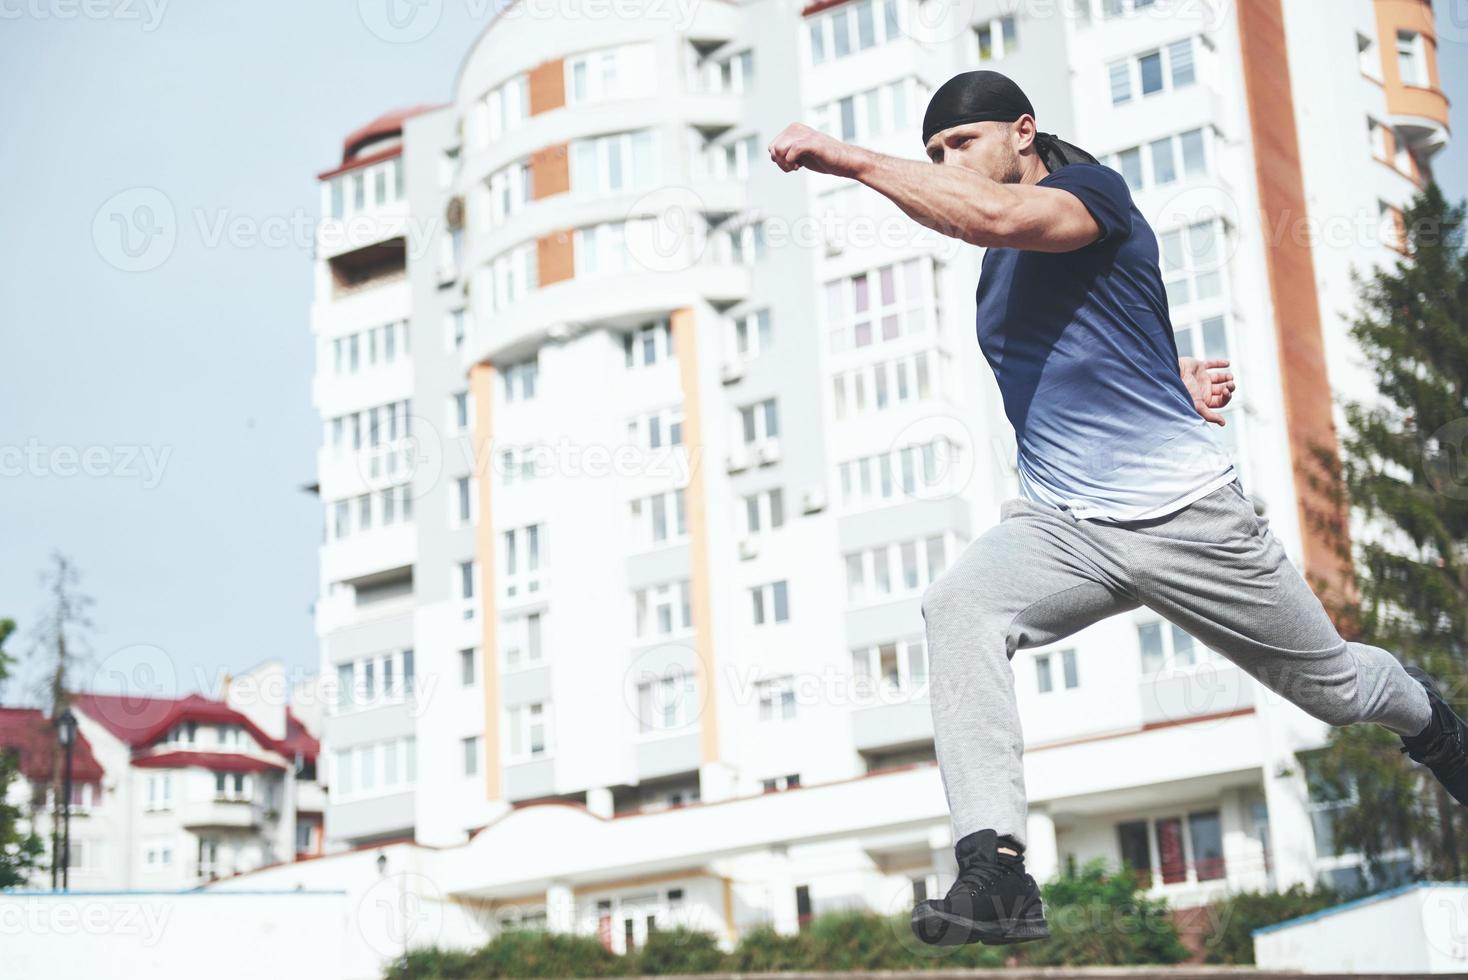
column 1210, row 391
column 800, row 146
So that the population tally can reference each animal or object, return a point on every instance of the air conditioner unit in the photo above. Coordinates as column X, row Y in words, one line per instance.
column 769, row 452
column 738, row 460
column 813, row 500
column 748, row 548
column 733, row 371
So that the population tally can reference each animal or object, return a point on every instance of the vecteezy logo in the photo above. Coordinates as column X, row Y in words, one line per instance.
column 135, row 230
column 400, row 21
column 136, row 676
column 663, row 229
column 1445, row 460
column 1452, row 22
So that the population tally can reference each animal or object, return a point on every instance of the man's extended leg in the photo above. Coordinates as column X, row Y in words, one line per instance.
column 1215, row 570
column 1029, row 580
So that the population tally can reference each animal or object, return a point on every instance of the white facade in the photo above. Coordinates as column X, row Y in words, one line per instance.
column 589, row 252
column 191, row 789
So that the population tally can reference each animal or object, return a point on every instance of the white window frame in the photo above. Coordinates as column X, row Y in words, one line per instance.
column 868, row 679
column 776, row 698
column 911, row 307
column 524, row 645
column 642, row 513
column 676, row 597
column 1003, row 37
column 759, row 512
column 888, row 563
column 667, row 703
column 913, row 471
column 766, row 601
column 521, row 721
column 523, row 560
column 823, row 32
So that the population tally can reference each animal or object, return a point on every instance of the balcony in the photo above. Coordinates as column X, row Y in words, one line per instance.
column 219, row 812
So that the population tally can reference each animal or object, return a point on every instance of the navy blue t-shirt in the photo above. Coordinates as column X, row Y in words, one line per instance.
column 1082, row 347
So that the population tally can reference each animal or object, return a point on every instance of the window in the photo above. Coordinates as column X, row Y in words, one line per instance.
column 459, row 411
column 519, row 379
column 160, row 791
column 886, row 384
column 463, row 501
column 1044, row 677
column 872, row 113
column 764, row 511
column 523, row 643
column 1412, row 59
column 519, row 464
column 1163, row 161
column 1367, row 57
column 781, row 783
column 467, row 670
column 914, row 471
column 613, row 164
column 657, row 430
column 464, row 580
column 877, row 306
column 725, row 158
column 1168, row 647
column 1151, row 72
column 728, row 74
column 454, row 328
column 528, row 732
column 512, row 274
column 231, row 786
column 373, row 347
column 522, row 561
column 740, row 241
column 758, row 422
column 662, row 610
column 896, row 570
column 648, row 345
column 469, row 747
column 1192, row 263
column 771, row 603
column 749, row 335
column 1207, row 340
column 997, row 39
column 852, row 28
column 507, row 191
column 667, row 703
column 621, row 72
column 157, row 855
column 504, row 107
column 659, row 520
column 776, row 698
column 896, row 668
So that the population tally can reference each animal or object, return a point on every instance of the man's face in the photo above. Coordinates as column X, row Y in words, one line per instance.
column 987, row 148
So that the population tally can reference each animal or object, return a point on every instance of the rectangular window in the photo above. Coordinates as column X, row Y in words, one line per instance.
column 1411, row 58
column 1121, row 82
column 466, row 667
column 470, row 753
column 1042, row 673
column 1180, row 58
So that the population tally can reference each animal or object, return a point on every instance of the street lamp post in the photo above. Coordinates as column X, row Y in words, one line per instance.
column 66, row 735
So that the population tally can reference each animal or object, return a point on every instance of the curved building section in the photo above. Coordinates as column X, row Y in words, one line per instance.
column 1407, row 38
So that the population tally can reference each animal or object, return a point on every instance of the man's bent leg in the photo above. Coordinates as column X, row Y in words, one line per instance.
column 1030, row 580
column 1215, row 570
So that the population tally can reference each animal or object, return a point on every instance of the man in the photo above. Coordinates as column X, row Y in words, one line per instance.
column 1126, row 496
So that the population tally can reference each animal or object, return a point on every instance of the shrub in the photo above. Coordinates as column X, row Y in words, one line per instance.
column 763, row 950
column 678, row 950
column 1099, row 918
column 1231, row 919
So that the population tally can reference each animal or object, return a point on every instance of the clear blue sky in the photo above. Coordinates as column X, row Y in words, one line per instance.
column 202, row 363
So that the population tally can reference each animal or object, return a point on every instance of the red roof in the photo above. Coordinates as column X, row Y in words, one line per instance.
column 30, row 734
column 216, row 761
column 141, row 721
column 297, row 739
column 387, row 124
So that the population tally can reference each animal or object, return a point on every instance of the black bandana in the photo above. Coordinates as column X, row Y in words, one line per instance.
column 987, row 96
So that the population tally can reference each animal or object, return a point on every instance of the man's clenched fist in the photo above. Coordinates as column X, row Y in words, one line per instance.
column 800, row 146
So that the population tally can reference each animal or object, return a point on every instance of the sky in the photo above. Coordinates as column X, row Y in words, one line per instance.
column 155, row 414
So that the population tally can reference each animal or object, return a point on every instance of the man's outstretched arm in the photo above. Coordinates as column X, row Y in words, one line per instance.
column 1210, row 385
column 951, row 200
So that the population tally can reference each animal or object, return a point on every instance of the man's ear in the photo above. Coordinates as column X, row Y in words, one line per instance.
column 1025, row 129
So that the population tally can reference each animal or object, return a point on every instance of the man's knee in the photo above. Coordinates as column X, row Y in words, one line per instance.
column 953, row 594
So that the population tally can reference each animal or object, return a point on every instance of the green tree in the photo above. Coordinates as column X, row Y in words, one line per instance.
column 1403, row 467
column 20, row 852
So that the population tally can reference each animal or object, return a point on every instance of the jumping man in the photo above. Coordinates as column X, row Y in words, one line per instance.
column 1127, row 498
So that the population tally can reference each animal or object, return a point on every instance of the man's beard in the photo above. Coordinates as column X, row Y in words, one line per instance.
column 1014, row 173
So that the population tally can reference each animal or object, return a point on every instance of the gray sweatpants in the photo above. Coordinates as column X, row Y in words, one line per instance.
column 1212, row 568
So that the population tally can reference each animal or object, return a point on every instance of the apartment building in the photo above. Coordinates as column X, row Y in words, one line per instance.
column 639, row 454
column 173, row 793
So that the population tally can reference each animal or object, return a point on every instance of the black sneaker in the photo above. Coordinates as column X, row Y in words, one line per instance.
column 993, row 901
column 1440, row 746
